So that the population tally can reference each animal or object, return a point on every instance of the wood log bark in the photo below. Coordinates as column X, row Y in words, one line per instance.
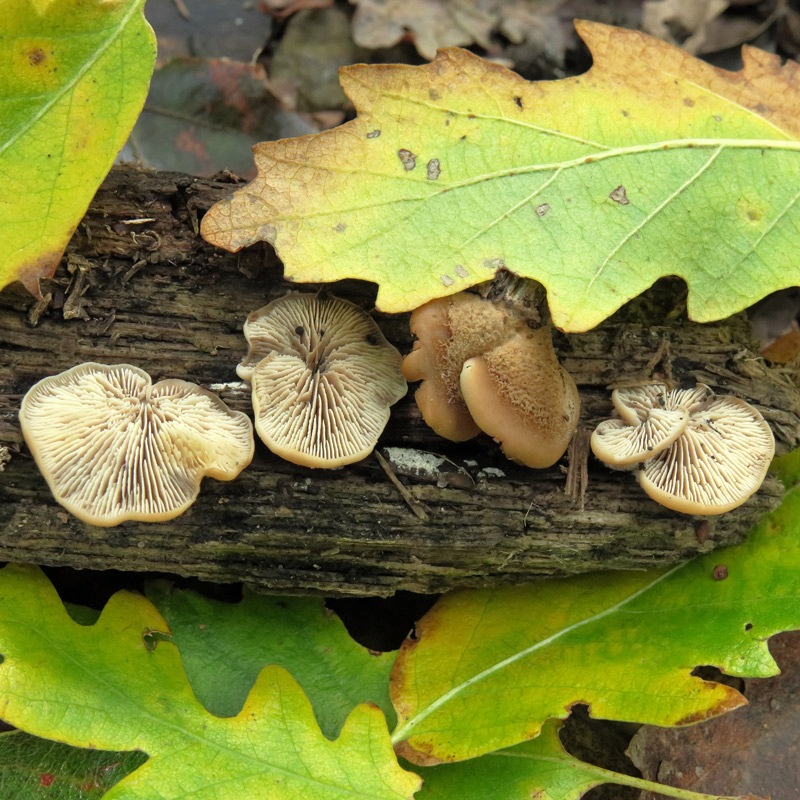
column 137, row 285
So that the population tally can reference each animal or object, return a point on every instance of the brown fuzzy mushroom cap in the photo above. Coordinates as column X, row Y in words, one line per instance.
column 619, row 444
column 521, row 396
column 321, row 395
column 114, row 447
column 449, row 331
column 716, row 464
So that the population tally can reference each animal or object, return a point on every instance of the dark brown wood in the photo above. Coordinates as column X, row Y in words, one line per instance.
column 138, row 285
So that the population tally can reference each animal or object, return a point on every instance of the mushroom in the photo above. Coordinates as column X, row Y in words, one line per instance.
column 521, row 396
column 487, row 363
column 635, row 403
column 619, row 444
column 718, row 462
column 113, row 446
column 323, row 378
column 449, row 331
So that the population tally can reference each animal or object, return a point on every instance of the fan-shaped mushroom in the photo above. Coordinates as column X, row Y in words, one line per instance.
column 619, row 444
column 716, row 464
column 113, row 446
column 323, row 378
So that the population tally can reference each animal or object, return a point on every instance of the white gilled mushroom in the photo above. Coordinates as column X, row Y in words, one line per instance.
column 522, row 397
column 619, row 444
column 323, row 378
column 113, row 446
column 698, row 454
column 716, row 464
column 636, row 403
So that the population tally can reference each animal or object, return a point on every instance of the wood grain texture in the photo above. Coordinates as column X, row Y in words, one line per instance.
column 139, row 286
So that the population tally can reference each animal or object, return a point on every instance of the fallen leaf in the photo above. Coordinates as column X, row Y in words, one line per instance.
column 304, row 66
column 119, row 685
column 454, row 169
column 433, row 24
column 682, row 22
column 295, row 633
column 202, row 116
column 487, row 668
column 754, row 749
column 32, row 769
column 209, row 29
column 540, row 769
column 75, row 75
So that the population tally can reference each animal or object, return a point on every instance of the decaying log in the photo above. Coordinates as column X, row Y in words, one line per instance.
column 138, row 285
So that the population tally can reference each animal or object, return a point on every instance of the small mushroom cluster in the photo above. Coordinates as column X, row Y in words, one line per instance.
column 114, row 447
column 323, row 377
column 490, row 366
column 696, row 453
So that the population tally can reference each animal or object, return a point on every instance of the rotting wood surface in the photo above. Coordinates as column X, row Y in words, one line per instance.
column 139, row 286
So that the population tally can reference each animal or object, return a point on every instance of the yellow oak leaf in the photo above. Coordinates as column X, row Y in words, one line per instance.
column 652, row 163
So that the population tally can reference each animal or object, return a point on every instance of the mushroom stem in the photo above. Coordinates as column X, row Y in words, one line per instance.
column 524, row 297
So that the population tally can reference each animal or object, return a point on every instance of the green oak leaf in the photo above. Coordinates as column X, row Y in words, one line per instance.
column 119, row 685
column 540, row 769
column 653, row 163
column 488, row 668
column 75, row 76
column 33, row 768
column 224, row 646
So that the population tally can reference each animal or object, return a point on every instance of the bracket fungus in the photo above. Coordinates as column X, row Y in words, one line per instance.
column 113, row 446
column 323, row 377
column 717, row 460
column 487, row 363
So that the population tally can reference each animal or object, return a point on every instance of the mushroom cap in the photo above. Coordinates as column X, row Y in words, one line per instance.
column 716, row 464
column 113, row 446
column 522, row 397
column 634, row 404
column 449, row 331
column 619, row 444
column 321, row 395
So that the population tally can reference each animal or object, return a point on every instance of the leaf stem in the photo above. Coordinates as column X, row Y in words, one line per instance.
column 618, row 778
column 651, row 786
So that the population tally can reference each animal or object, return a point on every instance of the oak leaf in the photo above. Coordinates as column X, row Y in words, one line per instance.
column 119, row 685
column 652, row 163
column 487, row 668
column 75, row 76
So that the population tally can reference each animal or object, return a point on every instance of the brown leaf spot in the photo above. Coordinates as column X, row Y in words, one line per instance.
column 542, row 209
column 434, row 95
column 340, row 227
column 407, row 159
column 36, row 56
column 688, row 102
column 720, row 572
column 434, row 170
column 620, row 195
column 374, row 134
column 518, row 102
